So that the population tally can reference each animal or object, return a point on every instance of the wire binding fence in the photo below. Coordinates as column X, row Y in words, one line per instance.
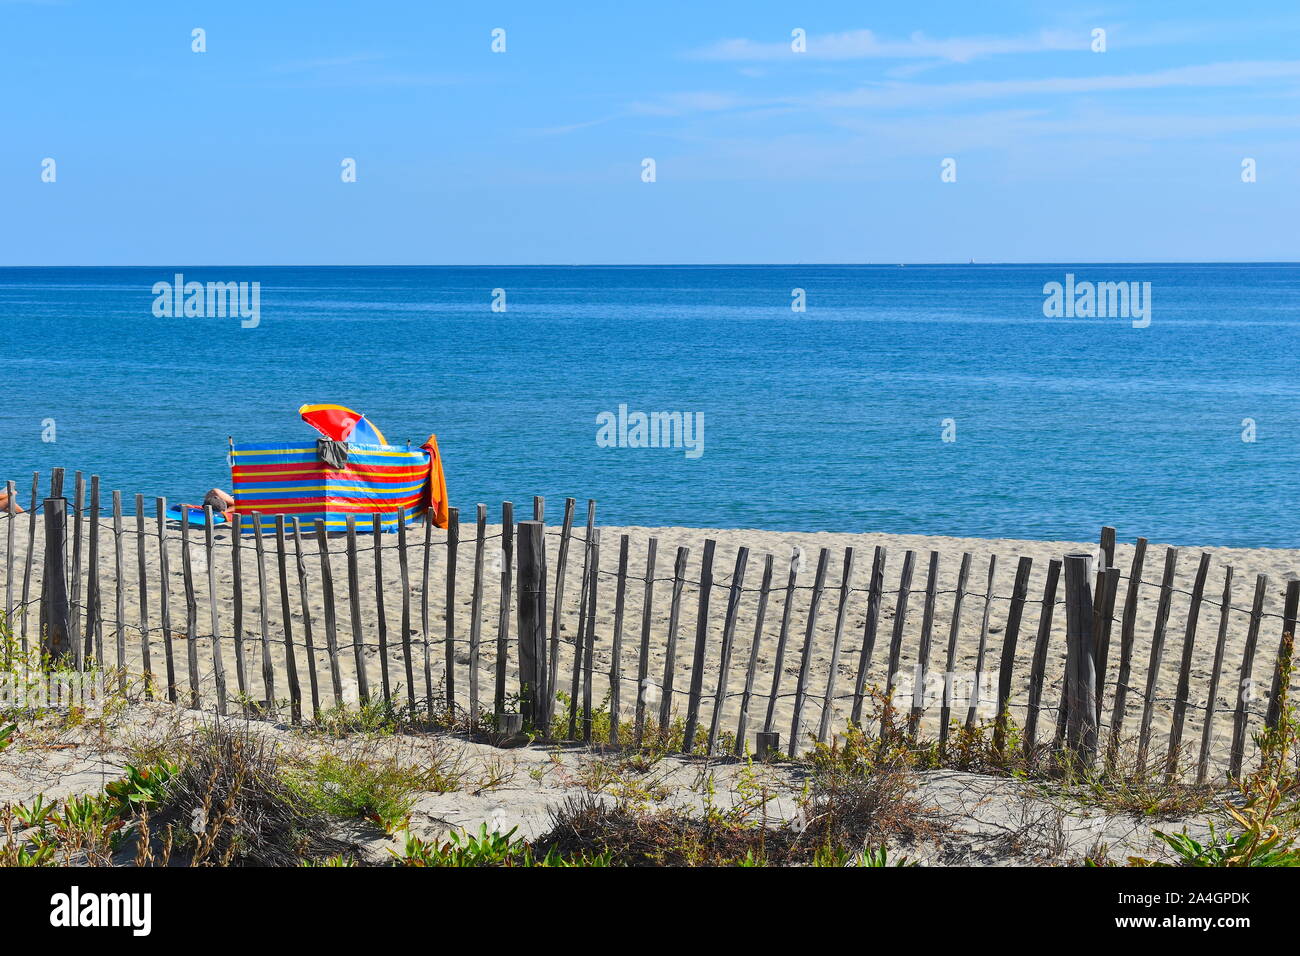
column 566, row 634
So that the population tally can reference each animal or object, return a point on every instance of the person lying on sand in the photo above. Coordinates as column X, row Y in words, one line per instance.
column 4, row 503
column 219, row 501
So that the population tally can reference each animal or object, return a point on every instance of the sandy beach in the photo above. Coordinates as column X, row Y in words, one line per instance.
column 1279, row 565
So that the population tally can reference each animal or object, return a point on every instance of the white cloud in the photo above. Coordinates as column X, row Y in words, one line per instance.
column 865, row 44
column 890, row 95
column 677, row 104
column 328, row 63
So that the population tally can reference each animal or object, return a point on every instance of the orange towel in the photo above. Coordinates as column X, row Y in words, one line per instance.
column 436, row 504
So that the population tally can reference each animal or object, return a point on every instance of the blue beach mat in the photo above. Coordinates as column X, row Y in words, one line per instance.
column 195, row 518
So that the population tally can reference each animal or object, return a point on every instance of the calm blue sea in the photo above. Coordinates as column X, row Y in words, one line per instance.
column 831, row 419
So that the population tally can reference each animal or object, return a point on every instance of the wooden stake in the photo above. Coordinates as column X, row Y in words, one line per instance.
column 94, row 613
column 580, row 644
column 589, row 655
column 896, row 641
column 74, row 596
column 751, row 669
column 424, row 614
column 164, row 583
column 976, row 691
column 237, row 599
column 557, row 609
column 701, row 646
column 1203, row 762
column 1039, row 666
column 1019, row 592
column 11, row 495
column 286, row 617
column 782, row 635
column 1245, row 685
column 805, row 661
column 1157, row 652
column 453, row 540
column 922, row 671
column 1289, row 611
column 950, row 662
column 1182, row 700
column 354, row 604
column 31, row 551
column 404, row 574
column 144, row 597
column 1080, row 675
column 331, row 624
column 643, row 658
column 268, row 665
column 304, row 600
column 616, row 648
column 503, row 615
column 381, row 616
column 56, row 633
column 875, row 592
column 532, row 623
column 728, row 638
column 1127, row 628
column 674, row 616
column 828, row 704
column 120, row 583
column 191, row 604
column 476, row 613
column 218, row 659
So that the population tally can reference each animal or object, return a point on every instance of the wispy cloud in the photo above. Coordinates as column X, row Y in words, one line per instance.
column 356, row 70
column 895, row 94
column 328, row 63
column 865, row 44
column 1229, row 74
column 679, row 104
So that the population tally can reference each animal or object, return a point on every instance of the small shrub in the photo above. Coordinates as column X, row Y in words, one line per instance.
column 230, row 804
column 358, row 788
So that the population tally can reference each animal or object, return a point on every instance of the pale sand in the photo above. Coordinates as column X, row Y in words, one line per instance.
column 1281, row 566
column 976, row 820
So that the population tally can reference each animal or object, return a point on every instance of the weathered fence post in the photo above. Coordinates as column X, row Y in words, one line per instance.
column 74, row 597
column 1290, row 609
column 56, row 636
column 1211, row 696
column 1107, row 548
column 532, row 622
column 561, row 562
column 11, row 500
column 93, row 647
column 1080, row 663
column 643, row 658
column 164, row 593
column 1019, row 593
column 503, row 614
column 31, row 548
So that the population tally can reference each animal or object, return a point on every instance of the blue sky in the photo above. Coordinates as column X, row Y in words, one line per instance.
column 166, row 156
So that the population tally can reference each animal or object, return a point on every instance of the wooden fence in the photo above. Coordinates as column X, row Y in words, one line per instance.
column 557, row 629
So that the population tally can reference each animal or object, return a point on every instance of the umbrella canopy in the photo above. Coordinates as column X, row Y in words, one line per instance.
column 340, row 423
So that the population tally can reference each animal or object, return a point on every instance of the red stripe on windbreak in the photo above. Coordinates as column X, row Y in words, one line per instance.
column 389, row 477
column 304, row 465
column 366, row 505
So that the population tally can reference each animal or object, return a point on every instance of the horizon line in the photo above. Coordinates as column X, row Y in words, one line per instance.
column 657, row 265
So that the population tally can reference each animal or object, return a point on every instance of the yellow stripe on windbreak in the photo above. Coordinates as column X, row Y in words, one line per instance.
column 400, row 453
column 358, row 476
column 279, row 492
column 239, row 452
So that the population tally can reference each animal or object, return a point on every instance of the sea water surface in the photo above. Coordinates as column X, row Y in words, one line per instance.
column 828, row 419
